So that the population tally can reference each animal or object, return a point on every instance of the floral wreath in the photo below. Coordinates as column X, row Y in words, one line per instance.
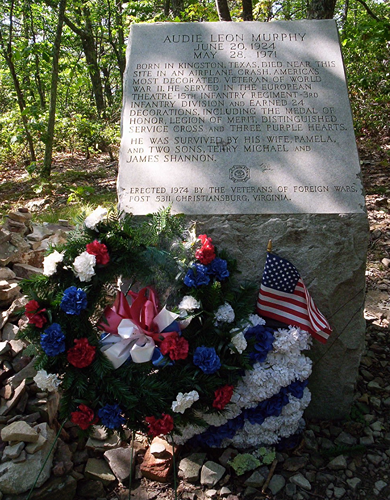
column 200, row 367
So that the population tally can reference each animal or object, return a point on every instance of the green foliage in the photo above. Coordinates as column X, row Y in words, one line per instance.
column 244, row 462
column 265, row 455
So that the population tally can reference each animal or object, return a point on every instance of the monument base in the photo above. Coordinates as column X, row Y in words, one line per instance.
column 329, row 251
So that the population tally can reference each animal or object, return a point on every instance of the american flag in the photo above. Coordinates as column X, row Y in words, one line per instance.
column 284, row 297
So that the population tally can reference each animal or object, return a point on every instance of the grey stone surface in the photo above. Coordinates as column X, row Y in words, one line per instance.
column 17, row 478
column 276, row 484
column 98, row 470
column 301, row 481
column 119, row 461
column 189, row 467
column 338, row 463
column 211, row 473
column 329, row 251
column 13, row 451
column 256, row 480
column 19, row 431
column 237, row 123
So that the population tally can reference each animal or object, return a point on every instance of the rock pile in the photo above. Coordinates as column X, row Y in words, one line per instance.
column 348, row 460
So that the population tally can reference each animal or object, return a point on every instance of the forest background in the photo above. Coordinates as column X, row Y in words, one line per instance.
column 61, row 81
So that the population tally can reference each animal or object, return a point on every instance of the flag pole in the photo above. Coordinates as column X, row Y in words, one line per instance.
column 269, row 246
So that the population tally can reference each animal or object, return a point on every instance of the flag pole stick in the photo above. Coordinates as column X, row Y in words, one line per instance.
column 269, row 246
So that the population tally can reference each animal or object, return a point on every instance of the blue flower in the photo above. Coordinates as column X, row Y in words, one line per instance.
column 296, row 388
column 197, row 276
column 271, row 407
column 214, row 436
column 207, row 359
column 218, row 268
column 263, row 338
column 53, row 340
column 110, row 416
column 73, row 301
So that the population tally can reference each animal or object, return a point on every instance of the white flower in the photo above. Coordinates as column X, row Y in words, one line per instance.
column 189, row 303
column 225, row 313
column 50, row 262
column 239, row 342
column 83, row 266
column 46, row 381
column 95, row 217
column 190, row 238
column 184, row 401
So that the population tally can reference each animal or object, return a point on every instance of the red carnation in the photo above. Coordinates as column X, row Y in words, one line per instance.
column 222, row 396
column 159, row 426
column 176, row 347
column 82, row 354
column 83, row 418
column 35, row 315
column 100, row 251
column 205, row 254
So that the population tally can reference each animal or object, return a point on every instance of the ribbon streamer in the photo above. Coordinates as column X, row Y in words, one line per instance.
column 135, row 329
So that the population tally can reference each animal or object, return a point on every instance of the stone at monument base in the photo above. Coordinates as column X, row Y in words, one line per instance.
column 329, row 251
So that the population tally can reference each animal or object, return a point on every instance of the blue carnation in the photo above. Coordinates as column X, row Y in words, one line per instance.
column 218, row 269
column 271, row 407
column 214, row 436
column 207, row 359
column 74, row 300
column 110, row 416
column 296, row 388
column 263, row 340
column 53, row 340
column 196, row 276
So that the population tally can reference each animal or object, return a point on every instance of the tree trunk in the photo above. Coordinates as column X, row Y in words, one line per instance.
column 7, row 53
column 89, row 47
column 223, row 10
column 46, row 170
column 321, row 9
column 88, row 42
column 247, row 13
column 177, row 6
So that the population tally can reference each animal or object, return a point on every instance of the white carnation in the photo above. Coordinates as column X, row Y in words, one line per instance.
column 184, row 401
column 50, row 262
column 239, row 342
column 225, row 314
column 187, row 433
column 47, row 381
column 189, row 303
column 84, row 266
column 95, row 217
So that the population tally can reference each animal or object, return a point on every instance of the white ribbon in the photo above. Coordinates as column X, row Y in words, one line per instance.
column 164, row 318
column 130, row 341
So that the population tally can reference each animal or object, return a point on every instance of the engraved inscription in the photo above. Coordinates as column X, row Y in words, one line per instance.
column 259, row 109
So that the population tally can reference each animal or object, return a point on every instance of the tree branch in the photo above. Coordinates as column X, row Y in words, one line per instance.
column 371, row 13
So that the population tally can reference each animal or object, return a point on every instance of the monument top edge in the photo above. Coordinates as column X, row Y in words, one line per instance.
column 236, row 23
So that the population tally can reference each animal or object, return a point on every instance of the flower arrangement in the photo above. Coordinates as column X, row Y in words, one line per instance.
column 174, row 350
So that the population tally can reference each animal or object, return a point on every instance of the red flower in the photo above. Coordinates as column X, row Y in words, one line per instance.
column 83, row 418
column 222, row 396
column 34, row 314
column 159, row 426
column 82, row 354
column 100, row 251
column 176, row 347
column 205, row 254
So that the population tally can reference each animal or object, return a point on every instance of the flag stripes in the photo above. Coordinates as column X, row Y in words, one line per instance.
column 295, row 306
